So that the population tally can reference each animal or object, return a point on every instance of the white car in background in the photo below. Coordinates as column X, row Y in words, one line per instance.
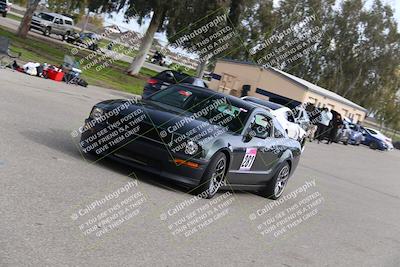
column 284, row 116
column 167, row 61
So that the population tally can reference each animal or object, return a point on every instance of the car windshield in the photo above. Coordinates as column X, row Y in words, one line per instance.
column 46, row 16
column 217, row 109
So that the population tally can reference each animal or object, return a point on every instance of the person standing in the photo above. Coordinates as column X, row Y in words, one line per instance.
column 324, row 120
column 336, row 123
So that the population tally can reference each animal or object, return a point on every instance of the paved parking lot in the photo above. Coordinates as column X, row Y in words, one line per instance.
column 48, row 191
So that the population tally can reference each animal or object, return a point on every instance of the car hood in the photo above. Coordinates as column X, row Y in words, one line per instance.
column 172, row 122
column 40, row 20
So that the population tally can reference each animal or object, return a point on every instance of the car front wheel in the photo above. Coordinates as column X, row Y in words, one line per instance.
column 213, row 177
column 46, row 31
column 277, row 185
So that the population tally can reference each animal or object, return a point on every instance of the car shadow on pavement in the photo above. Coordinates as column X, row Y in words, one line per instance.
column 56, row 139
column 60, row 140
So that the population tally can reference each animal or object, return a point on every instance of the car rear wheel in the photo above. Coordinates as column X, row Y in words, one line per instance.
column 64, row 36
column 4, row 14
column 373, row 145
column 213, row 177
column 277, row 185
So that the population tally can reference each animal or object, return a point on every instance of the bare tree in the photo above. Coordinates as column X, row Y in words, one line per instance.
column 26, row 20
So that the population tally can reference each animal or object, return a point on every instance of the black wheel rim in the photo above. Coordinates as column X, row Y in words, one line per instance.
column 218, row 176
column 281, row 181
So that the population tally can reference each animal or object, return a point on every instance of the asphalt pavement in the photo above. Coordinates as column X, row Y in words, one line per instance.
column 341, row 207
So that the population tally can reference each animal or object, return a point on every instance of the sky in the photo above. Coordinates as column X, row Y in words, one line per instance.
column 118, row 19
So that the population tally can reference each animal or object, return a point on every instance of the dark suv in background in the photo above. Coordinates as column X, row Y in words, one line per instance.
column 167, row 77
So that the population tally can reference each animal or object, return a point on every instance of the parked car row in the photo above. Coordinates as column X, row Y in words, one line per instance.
column 350, row 133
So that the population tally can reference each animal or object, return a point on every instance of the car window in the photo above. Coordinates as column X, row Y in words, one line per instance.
column 371, row 131
column 46, row 16
column 68, row 22
column 173, row 77
column 261, row 126
column 279, row 132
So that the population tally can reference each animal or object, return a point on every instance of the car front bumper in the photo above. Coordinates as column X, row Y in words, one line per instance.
column 151, row 156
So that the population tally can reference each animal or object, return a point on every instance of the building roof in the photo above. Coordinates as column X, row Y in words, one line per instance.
column 308, row 85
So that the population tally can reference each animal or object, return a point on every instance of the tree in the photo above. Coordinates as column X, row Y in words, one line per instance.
column 159, row 10
column 26, row 20
column 184, row 27
column 197, row 14
column 94, row 6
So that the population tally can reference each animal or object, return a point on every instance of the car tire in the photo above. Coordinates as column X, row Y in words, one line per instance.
column 47, row 31
column 65, row 35
column 277, row 184
column 346, row 142
column 373, row 145
column 4, row 14
column 213, row 177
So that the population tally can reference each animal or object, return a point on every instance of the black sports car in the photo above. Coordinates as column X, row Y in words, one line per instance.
column 195, row 136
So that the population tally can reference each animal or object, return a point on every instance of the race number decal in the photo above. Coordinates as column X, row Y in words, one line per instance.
column 248, row 159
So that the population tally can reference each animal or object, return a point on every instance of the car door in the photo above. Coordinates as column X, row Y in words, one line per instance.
column 254, row 154
column 57, row 26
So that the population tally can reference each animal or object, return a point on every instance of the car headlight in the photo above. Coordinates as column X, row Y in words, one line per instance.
column 96, row 113
column 191, row 148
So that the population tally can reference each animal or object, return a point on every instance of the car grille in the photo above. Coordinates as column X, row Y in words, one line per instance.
column 35, row 23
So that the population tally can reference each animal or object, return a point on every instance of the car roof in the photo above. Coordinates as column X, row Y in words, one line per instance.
column 263, row 102
column 58, row 15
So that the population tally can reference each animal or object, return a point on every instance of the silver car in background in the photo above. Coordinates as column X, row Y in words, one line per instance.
column 52, row 23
